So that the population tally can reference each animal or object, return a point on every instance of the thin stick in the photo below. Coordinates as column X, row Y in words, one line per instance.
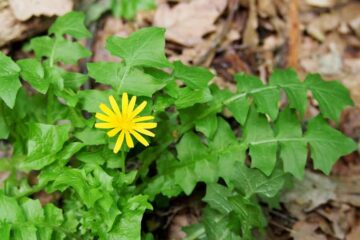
column 293, row 34
column 281, row 226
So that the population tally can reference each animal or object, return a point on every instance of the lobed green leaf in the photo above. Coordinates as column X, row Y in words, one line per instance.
column 332, row 96
column 145, row 47
column 9, row 80
column 72, row 24
column 45, row 141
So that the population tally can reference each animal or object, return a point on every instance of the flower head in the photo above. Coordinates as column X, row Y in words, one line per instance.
column 125, row 122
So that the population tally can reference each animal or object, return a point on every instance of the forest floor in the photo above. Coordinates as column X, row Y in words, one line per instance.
column 255, row 37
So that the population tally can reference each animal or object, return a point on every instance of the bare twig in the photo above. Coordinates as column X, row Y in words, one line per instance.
column 293, row 34
column 283, row 216
column 281, row 226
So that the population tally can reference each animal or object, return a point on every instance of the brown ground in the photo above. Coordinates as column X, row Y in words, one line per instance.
column 230, row 36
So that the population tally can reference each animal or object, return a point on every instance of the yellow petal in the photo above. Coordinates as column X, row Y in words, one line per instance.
column 146, row 125
column 129, row 140
column 131, row 105
column 119, row 142
column 103, row 117
column 114, row 105
column 124, row 104
column 138, row 109
column 106, row 110
column 145, row 132
column 113, row 132
column 140, row 138
column 105, row 125
column 142, row 119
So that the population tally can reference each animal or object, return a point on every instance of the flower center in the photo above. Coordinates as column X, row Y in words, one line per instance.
column 125, row 123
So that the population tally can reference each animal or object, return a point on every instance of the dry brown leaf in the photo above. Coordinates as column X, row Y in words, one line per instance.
column 3, row 4
column 12, row 29
column 341, row 218
column 313, row 191
column 330, row 63
column 348, row 190
column 251, row 38
column 322, row 3
column 24, row 10
column 352, row 79
column 10, row 26
column 178, row 223
column 351, row 15
column 266, row 8
column 187, row 23
column 320, row 25
column 190, row 55
column 273, row 42
column 355, row 233
column 306, row 231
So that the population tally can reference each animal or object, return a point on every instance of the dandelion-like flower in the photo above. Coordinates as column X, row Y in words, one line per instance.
column 126, row 122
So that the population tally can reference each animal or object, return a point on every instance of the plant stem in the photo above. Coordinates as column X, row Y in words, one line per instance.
column 51, row 58
column 123, row 163
column 50, row 103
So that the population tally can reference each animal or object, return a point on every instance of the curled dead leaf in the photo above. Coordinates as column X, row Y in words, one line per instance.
column 12, row 29
column 187, row 23
column 321, row 3
column 313, row 191
column 251, row 38
column 350, row 15
column 24, row 10
column 306, row 231
column 320, row 25
column 355, row 233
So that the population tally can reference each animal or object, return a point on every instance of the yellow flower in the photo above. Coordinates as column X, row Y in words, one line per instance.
column 125, row 122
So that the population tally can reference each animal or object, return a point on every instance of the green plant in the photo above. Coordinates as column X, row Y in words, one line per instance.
column 119, row 8
column 51, row 130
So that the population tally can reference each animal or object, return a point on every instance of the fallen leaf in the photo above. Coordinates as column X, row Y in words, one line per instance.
column 320, row 25
column 178, row 222
column 351, row 78
column 348, row 190
column 251, row 38
column 341, row 219
column 321, row 3
column 11, row 29
column 228, row 65
column 350, row 15
column 187, row 23
column 273, row 42
column 313, row 191
column 266, row 8
column 331, row 63
column 24, row 10
column 355, row 233
column 306, row 231
column 191, row 55
column 350, row 125
column 3, row 4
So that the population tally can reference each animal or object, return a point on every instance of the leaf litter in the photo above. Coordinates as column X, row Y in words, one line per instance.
column 179, row 20
column 329, row 35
